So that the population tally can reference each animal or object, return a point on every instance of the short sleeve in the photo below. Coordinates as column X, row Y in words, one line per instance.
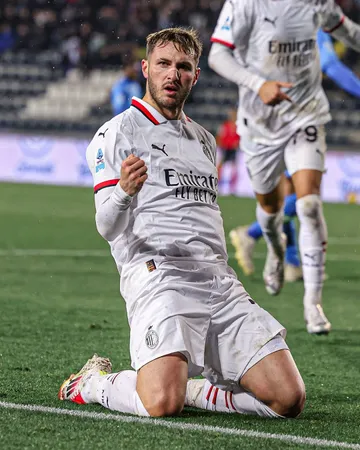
column 105, row 153
column 234, row 24
column 331, row 15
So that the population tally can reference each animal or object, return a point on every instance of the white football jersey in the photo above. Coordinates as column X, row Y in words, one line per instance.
column 175, row 216
column 276, row 39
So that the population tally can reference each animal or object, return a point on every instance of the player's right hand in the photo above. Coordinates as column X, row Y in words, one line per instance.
column 133, row 175
column 271, row 93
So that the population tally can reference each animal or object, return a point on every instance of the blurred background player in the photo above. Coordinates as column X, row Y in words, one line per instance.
column 244, row 238
column 125, row 88
column 268, row 50
column 228, row 142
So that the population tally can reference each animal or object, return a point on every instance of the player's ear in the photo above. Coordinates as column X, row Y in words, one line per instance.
column 144, row 67
column 197, row 74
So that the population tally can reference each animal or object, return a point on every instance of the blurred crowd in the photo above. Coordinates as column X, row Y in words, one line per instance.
column 94, row 33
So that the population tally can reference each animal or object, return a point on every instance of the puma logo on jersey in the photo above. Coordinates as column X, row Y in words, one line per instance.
column 272, row 21
column 155, row 147
column 103, row 134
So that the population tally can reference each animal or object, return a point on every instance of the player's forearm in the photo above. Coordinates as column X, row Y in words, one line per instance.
column 112, row 215
column 344, row 78
column 348, row 33
column 222, row 61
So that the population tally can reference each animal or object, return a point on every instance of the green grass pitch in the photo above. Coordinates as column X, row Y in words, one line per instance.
column 60, row 303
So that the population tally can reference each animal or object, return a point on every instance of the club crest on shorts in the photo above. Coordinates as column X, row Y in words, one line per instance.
column 151, row 338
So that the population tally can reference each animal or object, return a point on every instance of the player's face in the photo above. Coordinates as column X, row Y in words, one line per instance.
column 170, row 75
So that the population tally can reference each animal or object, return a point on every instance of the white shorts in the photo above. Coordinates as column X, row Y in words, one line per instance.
column 204, row 313
column 306, row 149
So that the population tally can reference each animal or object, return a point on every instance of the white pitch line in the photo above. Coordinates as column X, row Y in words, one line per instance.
column 69, row 253
column 182, row 426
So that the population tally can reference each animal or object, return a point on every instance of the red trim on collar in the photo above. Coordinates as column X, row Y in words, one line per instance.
column 144, row 111
column 220, row 41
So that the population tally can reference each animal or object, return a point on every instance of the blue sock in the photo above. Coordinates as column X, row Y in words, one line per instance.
column 254, row 231
column 290, row 205
column 291, row 254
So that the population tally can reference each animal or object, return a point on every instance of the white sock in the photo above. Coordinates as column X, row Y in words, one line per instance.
column 271, row 226
column 242, row 402
column 116, row 391
column 312, row 243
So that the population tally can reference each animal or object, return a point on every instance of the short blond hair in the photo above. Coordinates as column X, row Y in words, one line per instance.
column 184, row 39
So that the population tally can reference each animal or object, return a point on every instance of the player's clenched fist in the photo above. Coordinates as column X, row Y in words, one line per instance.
column 133, row 175
column 271, row 93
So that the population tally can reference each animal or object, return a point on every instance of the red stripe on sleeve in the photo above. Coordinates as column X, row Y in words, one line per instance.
column 336, row 26
column 209, row 393
column 105, row 184
column 220, row 41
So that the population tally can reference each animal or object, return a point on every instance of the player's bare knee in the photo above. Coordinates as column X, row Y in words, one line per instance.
column 164, row 404
column 291, row 402
column 295, row 403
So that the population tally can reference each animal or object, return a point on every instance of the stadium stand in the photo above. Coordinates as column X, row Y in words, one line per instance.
column 58, row 61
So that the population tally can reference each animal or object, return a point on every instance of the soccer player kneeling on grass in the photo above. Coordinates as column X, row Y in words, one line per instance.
column 155, row 194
